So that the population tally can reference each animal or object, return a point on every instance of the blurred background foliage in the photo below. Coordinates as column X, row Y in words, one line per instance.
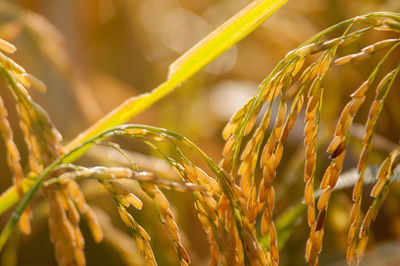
column 93, row 54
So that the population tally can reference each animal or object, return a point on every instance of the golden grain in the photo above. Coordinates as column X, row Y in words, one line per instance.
column 35, row 82
column 134, row 201
column 7, row 47
column 73, row 213
column 94, row 225
column 24, row 222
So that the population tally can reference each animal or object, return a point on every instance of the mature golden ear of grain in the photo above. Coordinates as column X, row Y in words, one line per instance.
column 283, row 84
column 43, row 143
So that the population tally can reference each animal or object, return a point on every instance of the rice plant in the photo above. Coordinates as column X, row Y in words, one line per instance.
column 234, row 199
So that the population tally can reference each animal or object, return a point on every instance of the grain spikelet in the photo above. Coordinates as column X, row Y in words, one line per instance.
column 7, row 47
column 353, row 251
column 168, row 220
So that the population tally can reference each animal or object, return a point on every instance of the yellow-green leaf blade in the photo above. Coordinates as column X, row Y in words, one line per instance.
column 224, row 37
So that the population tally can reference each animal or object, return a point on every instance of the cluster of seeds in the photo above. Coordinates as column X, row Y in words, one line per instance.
column 142, row 238
column 67, row 204
column 220, row 206
column 17, row 79
column 121, row 183
column 281, row 82
column 355, row 242
column 271, row 154
column 43, row 143
column 379, row 193
column 310, row 132
column 17, row 76
column 168, row 220
column 13, row 156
